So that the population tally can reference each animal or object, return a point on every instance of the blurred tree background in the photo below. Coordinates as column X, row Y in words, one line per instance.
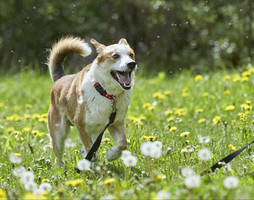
column 166, row 35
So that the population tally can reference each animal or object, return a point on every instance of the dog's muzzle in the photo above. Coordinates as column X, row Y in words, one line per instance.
column 124, row 77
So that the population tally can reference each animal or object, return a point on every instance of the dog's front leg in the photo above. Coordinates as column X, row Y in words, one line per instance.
column 117, row 131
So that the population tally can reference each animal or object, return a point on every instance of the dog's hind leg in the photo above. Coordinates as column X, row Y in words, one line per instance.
column 117, row 131
column 59, row 128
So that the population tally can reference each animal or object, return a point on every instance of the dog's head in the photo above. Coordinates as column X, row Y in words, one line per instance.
column 115, row 64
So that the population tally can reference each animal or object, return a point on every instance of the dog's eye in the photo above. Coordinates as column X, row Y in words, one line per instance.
column 131, row 55
column 115, row 56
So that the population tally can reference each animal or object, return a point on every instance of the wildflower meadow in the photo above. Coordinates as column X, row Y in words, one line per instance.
column 177, row 127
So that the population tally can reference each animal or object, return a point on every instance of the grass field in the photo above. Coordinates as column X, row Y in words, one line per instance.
column 198, row 120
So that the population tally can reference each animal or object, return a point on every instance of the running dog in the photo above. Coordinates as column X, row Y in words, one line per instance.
column 85, row 99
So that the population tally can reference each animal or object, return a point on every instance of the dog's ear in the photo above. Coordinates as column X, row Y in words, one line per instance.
column 123, row 41
column 99, row 47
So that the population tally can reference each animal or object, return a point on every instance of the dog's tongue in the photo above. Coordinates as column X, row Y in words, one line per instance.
column 124, row 78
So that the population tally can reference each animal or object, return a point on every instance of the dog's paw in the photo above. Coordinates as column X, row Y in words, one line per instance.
column 59, row 164
column 113, row 154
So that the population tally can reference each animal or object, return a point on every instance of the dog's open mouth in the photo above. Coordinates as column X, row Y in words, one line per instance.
column 123, row 78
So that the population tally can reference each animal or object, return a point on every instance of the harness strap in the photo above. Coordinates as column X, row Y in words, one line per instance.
column 227, row 159
column 97, row 143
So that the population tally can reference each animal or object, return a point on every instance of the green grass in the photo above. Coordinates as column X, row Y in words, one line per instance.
column 25, row 98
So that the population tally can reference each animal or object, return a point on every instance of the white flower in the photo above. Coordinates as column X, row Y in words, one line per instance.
column 152, row 149
column 231, row 182
column 125, row 153
column 30, row 186
column 14, row 158
column 45, row 187
column 204, row 154
column 203, row 140
column 19, row 171
column 163, row 195
column 27, row 177
column 130, row 161
column 186, row 171
column 83, row 165
column 193, row 181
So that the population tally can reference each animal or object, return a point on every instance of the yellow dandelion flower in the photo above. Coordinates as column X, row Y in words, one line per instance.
column 144, row 137
column 246, row 73
column 30, row 195
column 17, row 154
column 230, row 108
column 226, row 77
column 184, row 134
column 35, row 116
column 13, row 117
column 128, row 141
column 159, row 177
column 16, row 132
column 26, row 129
column 159, row 95
column 151, row 138
column 180, row 111
column 169, row 119
column 184, row 150
column 198, row 77
column 27, row 116
column 146, row 105
column 45, row 180
column 248, row 101
column 233, row 122
column 20, row 139
column 173, row 128
column 151, row 108
column 10, row 129
column 185, row 94
column 142, row 117
column 216, row 119
column 167, row 92
column 104, row 152
column 60, row 190
column 28, row 105
column 74, row 183
column 105, row 140
column 202, row 120
column 43, row 120
column 246, row 106
column 212, row 96
column 232, row 147
column 226, row 92
column 169, row 112
column 133, row 119
column 3, row 194
column 236, row 78
column 205, row 94
column 244, row 79
column 35, row 132
column 252, row 121
column 109, row 181
column 199, row 110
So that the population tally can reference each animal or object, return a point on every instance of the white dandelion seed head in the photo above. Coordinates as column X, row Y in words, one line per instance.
column 19, row 171
column 231, row 182
column 193, row 181
column 15, row 159
column 130, row 161
column 27, row 177
column 125, row 153
column 186, row 171
column 163, row 195
column 152, row 149
column 158, row 144
column 30, row 186
column 204, row 154
column 203, row 139
column 147, row 148
column 45, row 187
column 83, row 165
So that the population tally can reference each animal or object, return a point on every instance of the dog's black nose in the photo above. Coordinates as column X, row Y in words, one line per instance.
column 131, row 65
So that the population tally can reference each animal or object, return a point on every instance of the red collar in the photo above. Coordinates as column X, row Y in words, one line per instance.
column 102, row 91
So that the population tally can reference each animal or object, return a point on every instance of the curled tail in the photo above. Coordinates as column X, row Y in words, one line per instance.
column 59, row 52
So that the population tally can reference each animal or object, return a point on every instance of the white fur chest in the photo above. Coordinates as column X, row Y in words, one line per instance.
column 99, row 107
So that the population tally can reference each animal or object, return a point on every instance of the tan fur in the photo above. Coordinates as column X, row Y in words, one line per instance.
column 69, row 101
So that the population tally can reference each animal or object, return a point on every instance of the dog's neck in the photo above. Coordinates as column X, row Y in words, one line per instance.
column 102, row 91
